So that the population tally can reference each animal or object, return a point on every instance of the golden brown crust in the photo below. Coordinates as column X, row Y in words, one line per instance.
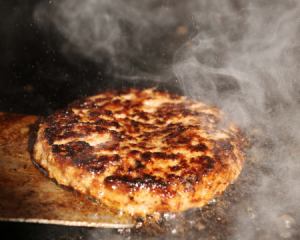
column 141, row 151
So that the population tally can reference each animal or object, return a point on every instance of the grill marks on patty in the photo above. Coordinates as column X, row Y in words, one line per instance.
column 126, row 124
column 146, row 145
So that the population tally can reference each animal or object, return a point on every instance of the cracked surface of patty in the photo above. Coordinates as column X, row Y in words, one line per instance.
column 141, row 151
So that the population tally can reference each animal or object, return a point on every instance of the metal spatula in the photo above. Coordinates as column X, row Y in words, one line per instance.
column 26, row 195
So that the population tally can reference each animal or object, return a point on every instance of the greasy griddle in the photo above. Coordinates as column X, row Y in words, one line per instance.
column 28, row 196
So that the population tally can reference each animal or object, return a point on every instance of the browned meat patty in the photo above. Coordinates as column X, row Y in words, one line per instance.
column 141, row 151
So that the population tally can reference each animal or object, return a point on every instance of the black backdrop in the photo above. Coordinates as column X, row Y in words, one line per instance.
column 36, row 78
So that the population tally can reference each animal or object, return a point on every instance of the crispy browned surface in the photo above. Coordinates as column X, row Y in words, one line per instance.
column 141, row 151
column 26, row 195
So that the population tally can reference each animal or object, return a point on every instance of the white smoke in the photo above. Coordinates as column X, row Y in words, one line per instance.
column 263, row 63
column 103, row 30
column 244, row 57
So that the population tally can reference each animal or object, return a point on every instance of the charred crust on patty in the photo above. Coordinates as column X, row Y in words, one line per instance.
column 141, row 151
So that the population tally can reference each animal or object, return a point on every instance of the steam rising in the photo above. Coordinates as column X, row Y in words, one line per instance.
column 102, row 30
column 244, row 57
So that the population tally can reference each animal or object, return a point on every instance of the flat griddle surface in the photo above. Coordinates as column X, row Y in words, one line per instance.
column 28, row 196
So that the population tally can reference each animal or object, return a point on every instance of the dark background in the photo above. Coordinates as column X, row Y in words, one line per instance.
column 36, row 78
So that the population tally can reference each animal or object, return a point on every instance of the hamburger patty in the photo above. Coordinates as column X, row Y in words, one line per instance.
column 141, row 151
